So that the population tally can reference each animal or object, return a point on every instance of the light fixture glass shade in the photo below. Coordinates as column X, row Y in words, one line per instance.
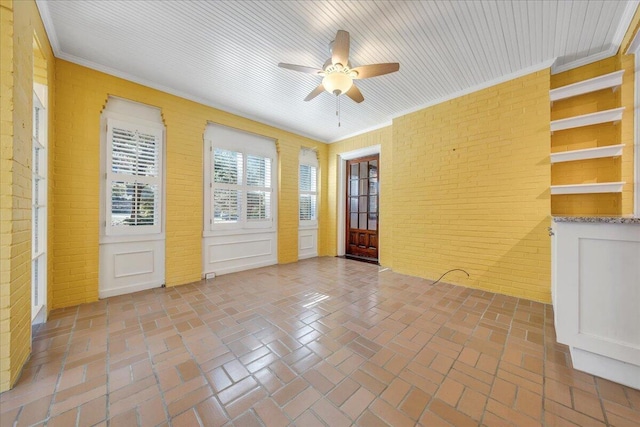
column 337, row 81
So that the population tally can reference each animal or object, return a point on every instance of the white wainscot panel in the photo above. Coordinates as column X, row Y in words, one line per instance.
column 131, row 267
column 307, row 243
column 596, row 290
column 237, row 252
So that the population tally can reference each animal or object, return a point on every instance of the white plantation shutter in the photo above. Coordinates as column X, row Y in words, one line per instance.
column 227, row 186
column 258, row 188
column 227, row 167
column 308, row 197
column 240, row 181
column 231, row 197
column 308, row 187
column 134, row 183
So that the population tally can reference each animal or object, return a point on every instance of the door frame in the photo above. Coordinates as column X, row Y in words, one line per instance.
column 342, row 193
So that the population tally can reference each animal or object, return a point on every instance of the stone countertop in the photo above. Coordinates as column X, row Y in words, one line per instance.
column 597, row 219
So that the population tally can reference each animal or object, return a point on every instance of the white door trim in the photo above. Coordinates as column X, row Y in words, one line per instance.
column 342, row 190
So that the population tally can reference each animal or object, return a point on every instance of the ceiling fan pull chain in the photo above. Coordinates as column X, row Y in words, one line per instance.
column 338, row 109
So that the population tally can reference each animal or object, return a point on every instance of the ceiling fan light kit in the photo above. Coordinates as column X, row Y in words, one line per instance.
column 337, row 82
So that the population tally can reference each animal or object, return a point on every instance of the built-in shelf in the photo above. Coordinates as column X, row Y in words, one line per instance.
column 600, row 187
column 612, row 80
column 614, row 115
column 587, row 153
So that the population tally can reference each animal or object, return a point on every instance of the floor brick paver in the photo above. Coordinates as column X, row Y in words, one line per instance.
column 325, row 341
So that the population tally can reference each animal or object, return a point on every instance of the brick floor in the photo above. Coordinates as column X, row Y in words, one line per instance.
column 324, row 341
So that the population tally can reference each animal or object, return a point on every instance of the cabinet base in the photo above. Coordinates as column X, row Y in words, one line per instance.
column 606, row 367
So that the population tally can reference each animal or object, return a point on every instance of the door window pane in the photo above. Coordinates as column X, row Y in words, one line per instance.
column 363, row 221
column 363, row 203
column 373, row 187
column 354, row 171
column 373, row 169
column 373, row 205
column 364, row 170
column 353, row 187
column 354, row 204
column 364, row 186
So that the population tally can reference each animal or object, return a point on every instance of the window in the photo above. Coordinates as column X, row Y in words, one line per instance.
column 308, row 197
column 241, row 187
column 39, row 206
column 308, row 188
column 134, row 183
column 239, row 229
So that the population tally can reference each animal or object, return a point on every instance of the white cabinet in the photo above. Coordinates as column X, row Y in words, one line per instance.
column 596, row 296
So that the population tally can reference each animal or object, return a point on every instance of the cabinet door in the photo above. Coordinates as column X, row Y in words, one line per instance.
column 597, row 293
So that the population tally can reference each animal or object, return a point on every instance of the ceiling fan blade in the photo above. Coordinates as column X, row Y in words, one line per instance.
column 317, row 91
column 373, row 70
column 300, row 68
column 355, row 94
column 340, row 49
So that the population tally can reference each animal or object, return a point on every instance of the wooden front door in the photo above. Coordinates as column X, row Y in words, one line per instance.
column 362, row 208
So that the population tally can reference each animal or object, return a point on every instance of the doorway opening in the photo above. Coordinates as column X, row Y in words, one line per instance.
column 361, row 208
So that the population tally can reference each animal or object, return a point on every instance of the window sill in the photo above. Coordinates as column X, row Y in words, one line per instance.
column 236, row 231
column 308, row 226
column 131, row 238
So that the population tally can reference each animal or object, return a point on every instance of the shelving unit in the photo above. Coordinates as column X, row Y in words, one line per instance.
column 611, row 80
column 607, row 81
column 587, row 153
column 600, row 187
column 607, row 116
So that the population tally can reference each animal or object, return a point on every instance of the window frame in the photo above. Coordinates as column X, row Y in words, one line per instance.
column 225, row 138
column 39, row 202
column 244, row 188
column 149, row 128
column 309, row 158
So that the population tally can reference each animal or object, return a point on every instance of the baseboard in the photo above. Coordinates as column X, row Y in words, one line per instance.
column 123, row 290
column 606, row 367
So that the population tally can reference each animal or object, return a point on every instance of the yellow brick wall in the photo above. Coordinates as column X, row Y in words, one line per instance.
column 595, row 170
column 471, row 189
column 288, row 158
column 6, row 187
column 382, row 137
column 80, row 95
column 19, row 24
column 324, row 248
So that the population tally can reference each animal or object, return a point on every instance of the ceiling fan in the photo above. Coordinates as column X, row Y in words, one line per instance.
column 338, row 76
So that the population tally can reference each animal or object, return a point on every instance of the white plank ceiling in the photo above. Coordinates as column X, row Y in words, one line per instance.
column 225, row 53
